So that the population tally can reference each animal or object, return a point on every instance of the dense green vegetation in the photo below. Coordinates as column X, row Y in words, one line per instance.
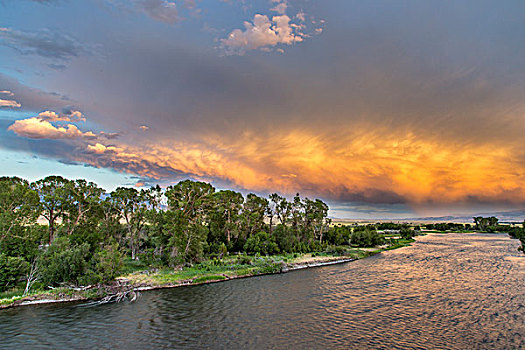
column 59, row 232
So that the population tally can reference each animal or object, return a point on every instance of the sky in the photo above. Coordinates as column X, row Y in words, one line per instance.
column 383, row 109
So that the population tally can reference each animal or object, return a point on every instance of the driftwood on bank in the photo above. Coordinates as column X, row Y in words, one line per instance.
column 130, row 295
column 119, row 292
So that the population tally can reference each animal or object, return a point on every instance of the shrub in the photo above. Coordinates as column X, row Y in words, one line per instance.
column 366, row 238
column 261, row 243
column 63, row 263
column 109, row 263
column 12, row 270
column 406, row 233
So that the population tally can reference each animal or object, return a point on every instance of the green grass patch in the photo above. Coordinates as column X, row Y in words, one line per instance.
column 8, row 294
column 131, row 266
column 209, row 278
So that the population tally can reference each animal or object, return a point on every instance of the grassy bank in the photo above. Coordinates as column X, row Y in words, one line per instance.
column 138, row 276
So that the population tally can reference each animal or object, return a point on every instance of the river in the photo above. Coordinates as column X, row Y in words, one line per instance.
column 455, row 291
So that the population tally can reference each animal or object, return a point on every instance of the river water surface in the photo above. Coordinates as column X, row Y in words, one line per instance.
column 455, row 291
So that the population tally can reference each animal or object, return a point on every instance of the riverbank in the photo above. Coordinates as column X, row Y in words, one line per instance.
column 209, row 271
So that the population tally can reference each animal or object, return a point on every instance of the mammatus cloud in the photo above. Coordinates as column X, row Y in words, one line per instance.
column 44, row 43
column 8, row 103
column 367, row 165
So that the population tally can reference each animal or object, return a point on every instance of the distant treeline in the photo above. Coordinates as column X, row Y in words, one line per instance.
column 88, row 233
column 491, row 224
column 483, row 224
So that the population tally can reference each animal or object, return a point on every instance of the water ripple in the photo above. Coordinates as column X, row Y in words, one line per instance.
column 456, row 291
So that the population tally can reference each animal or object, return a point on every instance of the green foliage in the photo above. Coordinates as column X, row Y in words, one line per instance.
column 187, row 243
column 90, row 233
column 109, row 263
column 64, row 263
column 448, row 226
column 366, row 238
column 406, row 233
column 339, row 235
column 285, row 237
column 482, row 223
column 12, row 270
column 261, row 243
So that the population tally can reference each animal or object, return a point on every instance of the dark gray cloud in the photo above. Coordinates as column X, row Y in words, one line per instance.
column 44, row 43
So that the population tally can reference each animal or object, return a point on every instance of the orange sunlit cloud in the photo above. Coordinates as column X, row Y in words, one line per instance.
column 363, row 166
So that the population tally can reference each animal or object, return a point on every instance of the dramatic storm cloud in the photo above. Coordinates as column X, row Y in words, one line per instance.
column 380, row 107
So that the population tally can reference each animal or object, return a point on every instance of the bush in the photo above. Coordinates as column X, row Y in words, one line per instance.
column 109, row 263
column 366, row 238
column 406, row 233
column 285, row 237
column 12, row 270
column 244, row 260
column 63, row 263
column 261, row 243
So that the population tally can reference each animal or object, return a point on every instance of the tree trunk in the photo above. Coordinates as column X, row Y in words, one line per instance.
column 51, row 230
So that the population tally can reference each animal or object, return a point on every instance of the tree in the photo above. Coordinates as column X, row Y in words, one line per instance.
column 188, row 205
column 65, row 263
column 32, row 276
column 132, row 207
column 227, row 207
column 84, row 199
column 482, row 223
column 297, row 212
column 281, row 208
column 406, row 233
column 12, row 270
column 315, row 217
column 19, row 205
column 253, row 214
column 53, row 193
column 493, row 221
column 366, row 238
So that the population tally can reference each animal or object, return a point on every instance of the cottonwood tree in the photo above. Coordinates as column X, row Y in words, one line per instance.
column 132, row 207
column 19, row 205
column 253, row 214
column 84, row 199
column 53, row 194
column 315, row 217
column 281, row 208
column 227, row 206
column 188, row 205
